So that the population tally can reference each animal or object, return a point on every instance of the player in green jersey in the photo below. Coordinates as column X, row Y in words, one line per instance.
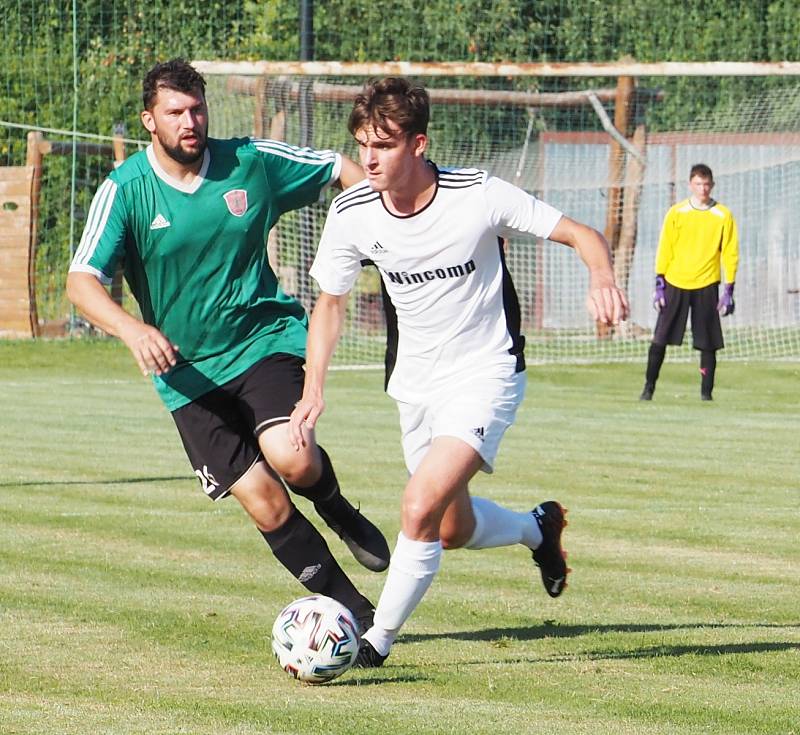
column 188, row 218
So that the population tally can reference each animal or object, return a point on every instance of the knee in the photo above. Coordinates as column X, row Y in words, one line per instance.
column 296, row 467
column 420, row 519
column 263, row 497
column 268, row 510
column 297, row 470
column 270, row 518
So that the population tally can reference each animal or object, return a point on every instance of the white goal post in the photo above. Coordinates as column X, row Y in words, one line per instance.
column 606, row 143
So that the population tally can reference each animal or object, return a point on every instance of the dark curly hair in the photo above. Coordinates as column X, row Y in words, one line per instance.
column 175, row 74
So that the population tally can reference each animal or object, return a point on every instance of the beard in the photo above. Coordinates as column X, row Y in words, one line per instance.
column 181, row 155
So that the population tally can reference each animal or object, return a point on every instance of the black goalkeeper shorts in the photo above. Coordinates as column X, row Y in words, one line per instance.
column 706, row 326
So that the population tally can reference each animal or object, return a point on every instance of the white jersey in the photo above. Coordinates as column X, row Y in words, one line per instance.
column 451, row 304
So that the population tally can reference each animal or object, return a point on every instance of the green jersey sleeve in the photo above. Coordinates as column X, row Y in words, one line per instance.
column 103, row 241
column 296, row 176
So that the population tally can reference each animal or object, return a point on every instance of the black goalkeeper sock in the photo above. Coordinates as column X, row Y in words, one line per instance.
column 655, row 358
column 302, row 550
column 708, row 366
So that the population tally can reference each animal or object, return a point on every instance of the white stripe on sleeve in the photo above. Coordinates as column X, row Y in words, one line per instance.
column 293, row 153
column 95, row 222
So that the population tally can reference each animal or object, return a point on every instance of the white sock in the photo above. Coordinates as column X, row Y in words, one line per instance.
column 499, row 526
column 411, row 571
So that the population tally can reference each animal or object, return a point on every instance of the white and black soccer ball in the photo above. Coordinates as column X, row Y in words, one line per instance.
column 315, row 639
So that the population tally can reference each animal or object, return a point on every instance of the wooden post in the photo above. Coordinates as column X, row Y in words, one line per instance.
column 34, row 158
column 277, row 131
column 616, row 163
column 634, row 177
column 623, row 110
column 539, row 250
column 118, row 145
column 278, row 91
column 260, row 107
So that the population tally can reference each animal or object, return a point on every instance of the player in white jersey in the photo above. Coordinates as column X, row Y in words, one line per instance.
column 449, row 293
column 455, row 361
column 189, row 219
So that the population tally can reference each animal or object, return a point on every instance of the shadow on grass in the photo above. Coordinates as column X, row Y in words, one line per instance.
column 726, row 649
column 654, row 652
column 118, row 481
column 555, row 630
column 355, row 680
column 508, row 635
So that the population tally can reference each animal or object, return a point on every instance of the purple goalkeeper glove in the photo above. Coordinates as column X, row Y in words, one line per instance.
column 726, row 305
column 660, row 294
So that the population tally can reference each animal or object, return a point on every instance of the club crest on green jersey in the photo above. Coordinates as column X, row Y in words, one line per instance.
column 236, row 199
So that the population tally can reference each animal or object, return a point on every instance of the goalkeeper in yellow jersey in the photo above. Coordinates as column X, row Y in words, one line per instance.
column 698, row 241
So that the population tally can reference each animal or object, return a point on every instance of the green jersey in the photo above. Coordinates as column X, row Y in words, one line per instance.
column 195, row 256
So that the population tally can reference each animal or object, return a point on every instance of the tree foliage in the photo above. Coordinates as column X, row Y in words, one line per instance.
column 117, row 41
column 48, row 73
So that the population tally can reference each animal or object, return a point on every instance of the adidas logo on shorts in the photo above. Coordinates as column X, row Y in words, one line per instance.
column 478, row 432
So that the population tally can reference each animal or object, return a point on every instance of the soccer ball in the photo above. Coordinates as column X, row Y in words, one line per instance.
column 315, row 639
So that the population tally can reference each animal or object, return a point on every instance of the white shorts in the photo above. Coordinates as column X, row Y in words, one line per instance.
column 476, row 409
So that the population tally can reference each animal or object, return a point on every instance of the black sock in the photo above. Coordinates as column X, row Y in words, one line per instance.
column 326, row 488
column 708, row 366
column 655, row 358
column 302, row 550
column 328, row 500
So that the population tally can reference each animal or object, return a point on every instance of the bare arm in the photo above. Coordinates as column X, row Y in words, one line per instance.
column 605, row 302
column 351, row 172
column 323, row 334
column 153, row 351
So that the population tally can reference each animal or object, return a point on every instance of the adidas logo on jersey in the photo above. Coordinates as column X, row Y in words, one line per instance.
column 478, row 432
column 159, row 223
column 377, row 248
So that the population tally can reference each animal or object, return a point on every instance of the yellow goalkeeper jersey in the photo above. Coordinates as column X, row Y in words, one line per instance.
column 693, row 244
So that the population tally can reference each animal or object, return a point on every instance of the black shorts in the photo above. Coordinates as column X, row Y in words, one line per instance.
column 220, row 429
column 706, row 327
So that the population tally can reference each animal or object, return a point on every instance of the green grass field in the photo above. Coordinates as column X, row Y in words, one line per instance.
column 129, row 603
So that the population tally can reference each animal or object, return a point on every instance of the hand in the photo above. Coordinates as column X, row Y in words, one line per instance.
column 726, row 305
column 152, row 350
column 303, row 419
column 607, row 304
column 660, row 294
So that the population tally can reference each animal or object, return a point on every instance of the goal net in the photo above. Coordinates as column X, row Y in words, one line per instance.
column 612, row 152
